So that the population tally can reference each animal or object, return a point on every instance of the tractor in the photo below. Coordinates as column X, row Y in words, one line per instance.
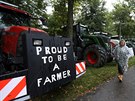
column 95, row 49
column 13, row 24
column 32, row 63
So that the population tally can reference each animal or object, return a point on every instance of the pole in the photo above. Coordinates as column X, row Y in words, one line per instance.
column 120, row 32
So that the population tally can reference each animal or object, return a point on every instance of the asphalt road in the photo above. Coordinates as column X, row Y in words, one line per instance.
column 114, row 90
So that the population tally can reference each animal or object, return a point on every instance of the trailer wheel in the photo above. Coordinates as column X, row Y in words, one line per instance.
column 95, row 56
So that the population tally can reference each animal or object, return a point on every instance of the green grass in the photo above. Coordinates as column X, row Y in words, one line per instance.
column 87, row 83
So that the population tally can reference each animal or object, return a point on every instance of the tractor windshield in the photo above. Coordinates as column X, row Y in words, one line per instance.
column 13, row 18
column 84, row 31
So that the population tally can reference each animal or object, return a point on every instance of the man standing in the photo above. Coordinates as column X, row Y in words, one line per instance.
column 121, row 53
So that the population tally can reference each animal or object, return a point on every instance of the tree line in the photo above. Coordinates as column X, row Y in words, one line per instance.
column 89, row 12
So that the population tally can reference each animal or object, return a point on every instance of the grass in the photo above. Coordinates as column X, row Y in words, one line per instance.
column 87, row 83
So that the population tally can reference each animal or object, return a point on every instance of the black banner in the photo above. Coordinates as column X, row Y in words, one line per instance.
column 50, row 62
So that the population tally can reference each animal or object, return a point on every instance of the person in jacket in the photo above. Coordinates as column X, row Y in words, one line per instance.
column 121, row 53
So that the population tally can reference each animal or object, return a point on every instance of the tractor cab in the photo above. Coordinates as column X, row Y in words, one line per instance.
column 11, row 16
column 82, row 33
column 14, row 23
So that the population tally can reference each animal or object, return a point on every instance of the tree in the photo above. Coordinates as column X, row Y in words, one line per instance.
column 63, row 16
column 93, row 14
column 70, row 18
column 122, row 19
column 58, row 18
column 131, row 5
column 109, row 25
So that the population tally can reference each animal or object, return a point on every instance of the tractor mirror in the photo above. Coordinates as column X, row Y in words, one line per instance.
column 44, row 21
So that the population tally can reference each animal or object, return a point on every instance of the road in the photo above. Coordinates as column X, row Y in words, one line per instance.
column 114, row 90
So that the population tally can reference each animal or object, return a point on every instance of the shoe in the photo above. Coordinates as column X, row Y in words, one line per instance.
column 120, row 77
column 120, row 81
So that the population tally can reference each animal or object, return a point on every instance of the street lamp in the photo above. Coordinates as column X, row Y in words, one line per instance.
column 118, row 23
column 120, row 31
column 120, row 28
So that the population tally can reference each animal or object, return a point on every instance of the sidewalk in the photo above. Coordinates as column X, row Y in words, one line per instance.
column 114, row 90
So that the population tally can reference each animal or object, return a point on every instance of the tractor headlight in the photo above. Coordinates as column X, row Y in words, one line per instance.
column 67, row 43
column 37, row 42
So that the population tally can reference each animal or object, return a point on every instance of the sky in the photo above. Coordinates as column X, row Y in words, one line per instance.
column 109, row 5
column 49, row 9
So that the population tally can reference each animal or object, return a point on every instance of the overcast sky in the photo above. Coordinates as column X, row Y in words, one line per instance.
column 109, row 4
column 49, row 9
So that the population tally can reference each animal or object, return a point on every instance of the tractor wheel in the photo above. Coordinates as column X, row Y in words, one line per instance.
column 109, row 58
column 95, row 56
column 2, row 69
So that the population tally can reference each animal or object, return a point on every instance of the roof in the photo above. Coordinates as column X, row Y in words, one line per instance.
column 11, row 7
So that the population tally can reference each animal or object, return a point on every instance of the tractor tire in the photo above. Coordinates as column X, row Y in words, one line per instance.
column 109, row 58
column 95, row 56
column 2, row 69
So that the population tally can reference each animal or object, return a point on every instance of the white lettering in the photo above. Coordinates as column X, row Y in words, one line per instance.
column 50, row 59
column 47, row 80
column 47, row 50
column 59, row 77
column 44, row 59
column 65, row 49
column 56, row 67
column 53, row 78
column 59, row 57
column 39, row 81
column 64, row 75
column 53, row 49
column 59, row 49
column 38, row 50
column 68, row 73
column 65, row 57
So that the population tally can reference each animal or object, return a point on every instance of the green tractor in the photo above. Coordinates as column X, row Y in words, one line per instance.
column 95, row 49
